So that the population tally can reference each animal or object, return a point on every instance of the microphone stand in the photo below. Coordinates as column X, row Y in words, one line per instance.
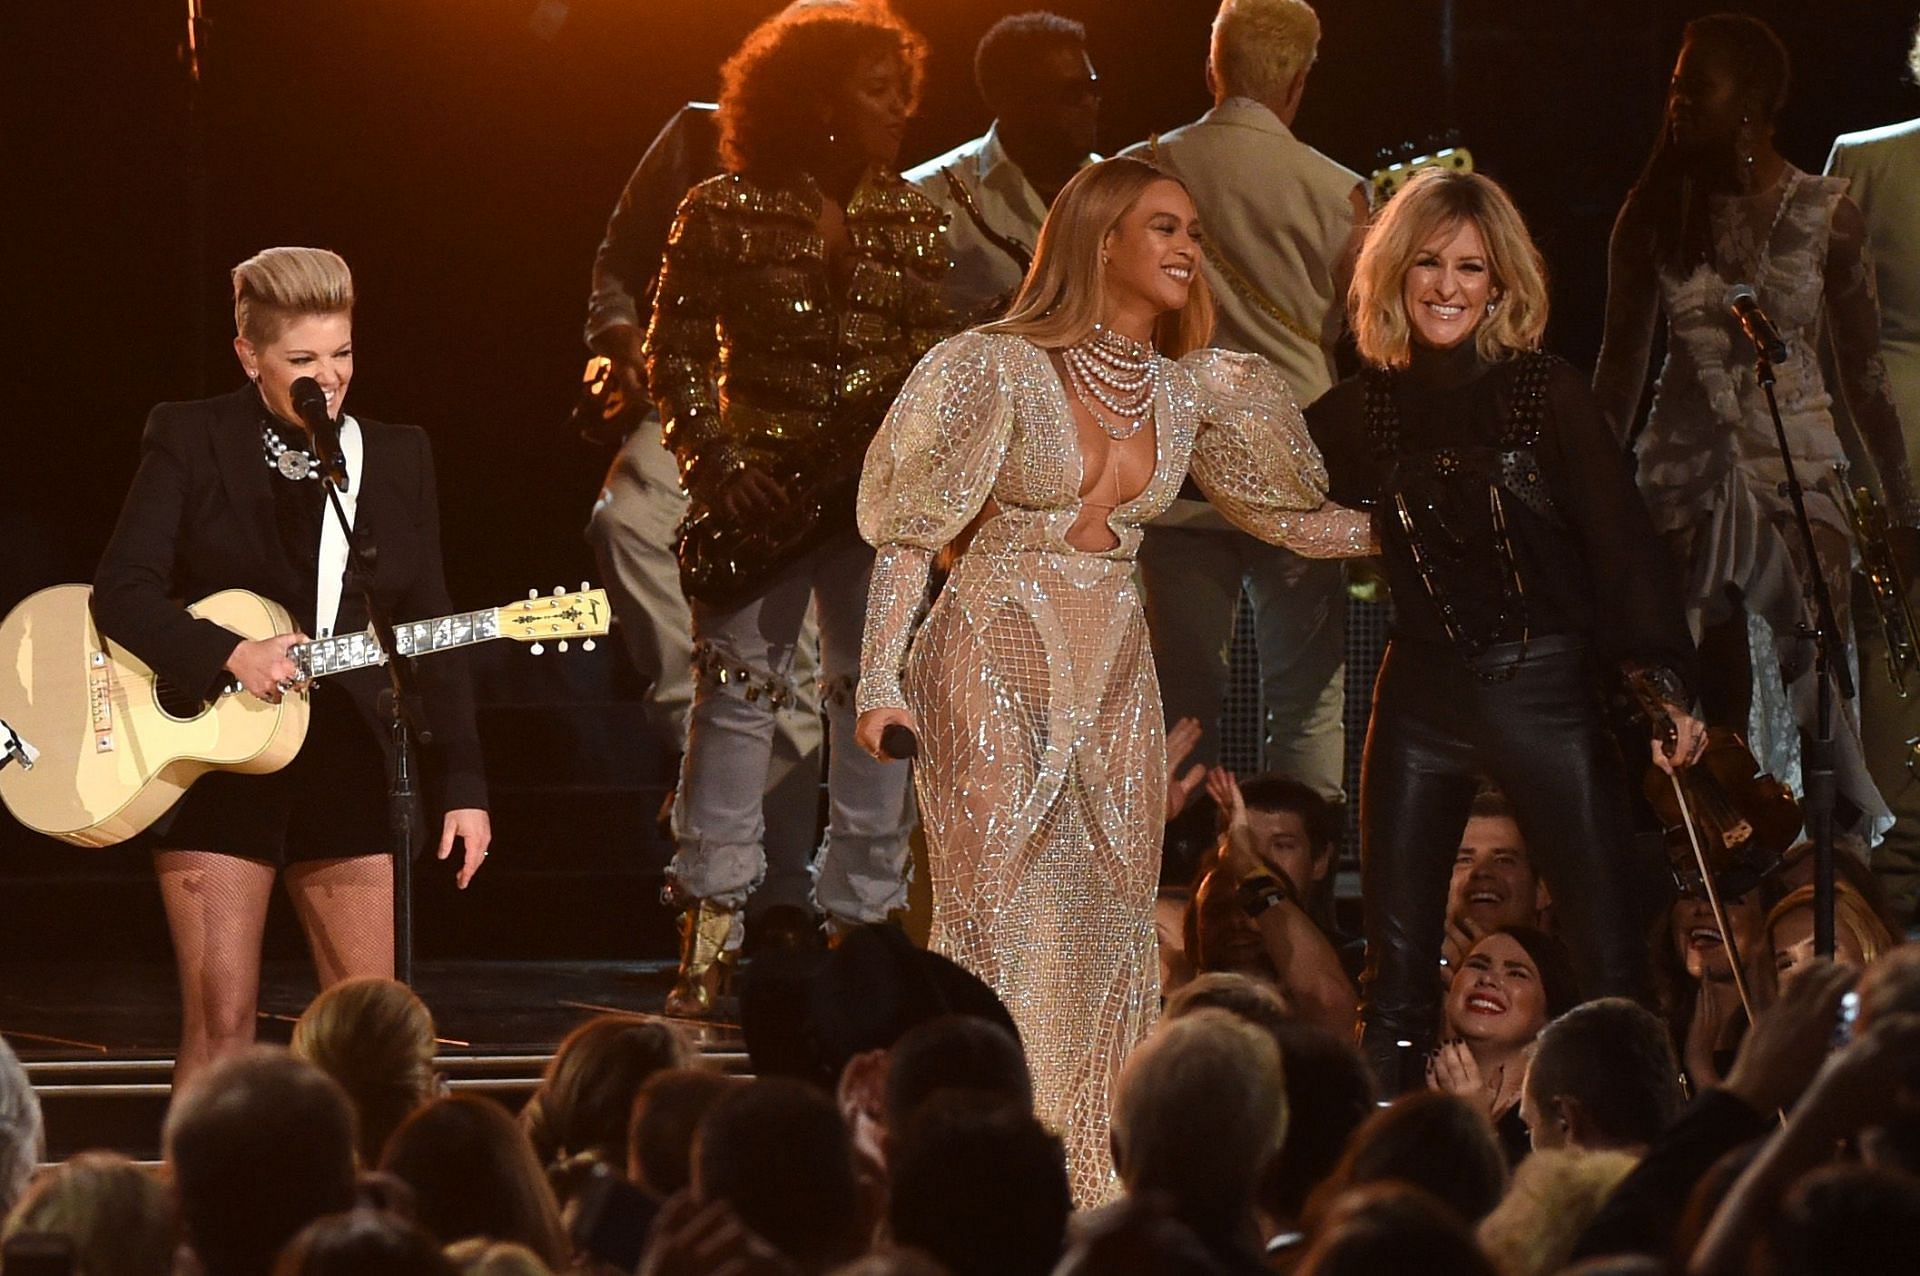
column 407, row 722
column 1830, row 667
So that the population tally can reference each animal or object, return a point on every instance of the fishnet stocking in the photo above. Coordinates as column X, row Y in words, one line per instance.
column 346, row 907
column 217, row 910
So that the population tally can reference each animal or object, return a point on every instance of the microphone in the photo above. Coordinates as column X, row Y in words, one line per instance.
column 1754, row 322
column 899, row 742
column 310, row 401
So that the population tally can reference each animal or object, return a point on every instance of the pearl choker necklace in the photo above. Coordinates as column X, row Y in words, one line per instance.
column 291, row 462
column 1119, row 375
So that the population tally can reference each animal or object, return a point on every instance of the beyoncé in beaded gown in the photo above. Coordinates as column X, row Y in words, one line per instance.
column 1042, row 768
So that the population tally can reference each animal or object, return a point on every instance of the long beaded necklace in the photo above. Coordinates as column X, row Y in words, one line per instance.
column 1117, row 373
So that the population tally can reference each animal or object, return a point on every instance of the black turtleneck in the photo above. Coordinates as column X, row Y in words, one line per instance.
column 1591, row 565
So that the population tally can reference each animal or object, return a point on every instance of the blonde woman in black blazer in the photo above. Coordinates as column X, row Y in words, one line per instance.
column 213, row 507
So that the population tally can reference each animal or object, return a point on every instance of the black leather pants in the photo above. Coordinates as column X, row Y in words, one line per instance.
column 1540, row 735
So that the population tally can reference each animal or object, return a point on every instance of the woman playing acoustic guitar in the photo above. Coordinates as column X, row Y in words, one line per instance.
column 228, row 495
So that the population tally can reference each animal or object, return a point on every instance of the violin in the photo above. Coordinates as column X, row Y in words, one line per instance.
column 1734, row 821
column 1744, row 818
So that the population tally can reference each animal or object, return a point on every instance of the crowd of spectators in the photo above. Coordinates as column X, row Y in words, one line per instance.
column 887, row 1126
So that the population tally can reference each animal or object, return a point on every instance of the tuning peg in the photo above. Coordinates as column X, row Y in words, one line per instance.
column 584, row 587
column 561, row 645
column 587, row 645
column 536, row 649
column 559, row 590
column 532, row 594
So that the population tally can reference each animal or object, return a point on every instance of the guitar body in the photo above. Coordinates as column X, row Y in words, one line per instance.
column 113, row 757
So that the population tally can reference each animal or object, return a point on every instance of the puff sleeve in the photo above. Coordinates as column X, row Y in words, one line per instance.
column 928, row 472
column 1257, row 464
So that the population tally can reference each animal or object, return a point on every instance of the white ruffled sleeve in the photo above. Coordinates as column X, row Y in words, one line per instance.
column 928, row 472
column 1257, row 464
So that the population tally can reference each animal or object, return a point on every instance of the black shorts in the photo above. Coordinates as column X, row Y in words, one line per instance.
column 328, row 803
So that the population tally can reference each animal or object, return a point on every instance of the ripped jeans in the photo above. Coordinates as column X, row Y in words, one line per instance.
column 743, row 658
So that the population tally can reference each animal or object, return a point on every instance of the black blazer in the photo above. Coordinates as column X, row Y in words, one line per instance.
column 200, row 518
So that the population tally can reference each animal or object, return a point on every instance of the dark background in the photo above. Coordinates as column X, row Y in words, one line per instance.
column 463, row 155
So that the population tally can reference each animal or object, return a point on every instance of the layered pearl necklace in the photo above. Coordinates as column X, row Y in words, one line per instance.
column 1112, row 371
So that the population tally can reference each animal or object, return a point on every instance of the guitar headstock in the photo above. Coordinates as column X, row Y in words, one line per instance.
column 559, row 616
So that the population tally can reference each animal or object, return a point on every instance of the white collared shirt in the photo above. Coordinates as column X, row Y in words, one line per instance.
column 982, row 271
column 333, row 538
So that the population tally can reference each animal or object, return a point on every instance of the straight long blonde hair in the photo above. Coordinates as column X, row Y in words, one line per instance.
column 1065, row 292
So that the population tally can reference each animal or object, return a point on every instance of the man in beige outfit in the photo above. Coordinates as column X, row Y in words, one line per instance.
column 1282, row 224
column 1882, row 166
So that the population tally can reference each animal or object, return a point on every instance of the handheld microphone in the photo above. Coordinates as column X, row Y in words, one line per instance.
column 1754, row 322
column 899, row 742
column 310, row 401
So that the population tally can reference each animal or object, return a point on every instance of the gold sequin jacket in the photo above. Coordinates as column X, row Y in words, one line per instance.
column 751, row 355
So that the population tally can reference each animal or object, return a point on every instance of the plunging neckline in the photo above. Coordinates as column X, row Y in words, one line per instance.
column 1069, row 420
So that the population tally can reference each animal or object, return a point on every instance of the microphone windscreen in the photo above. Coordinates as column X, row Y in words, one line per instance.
column 309, row 400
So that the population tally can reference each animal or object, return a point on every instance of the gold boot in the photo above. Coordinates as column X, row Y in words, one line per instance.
column 706, row 962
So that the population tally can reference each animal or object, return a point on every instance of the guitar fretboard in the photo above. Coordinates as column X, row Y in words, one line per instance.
column 324, row 656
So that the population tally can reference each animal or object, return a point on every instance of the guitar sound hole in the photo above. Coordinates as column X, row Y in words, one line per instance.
column 182, row 706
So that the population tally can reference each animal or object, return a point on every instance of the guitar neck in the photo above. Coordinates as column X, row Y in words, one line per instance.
column 325, row 656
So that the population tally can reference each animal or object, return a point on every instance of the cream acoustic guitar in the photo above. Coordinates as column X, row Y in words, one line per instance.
column 117, row 746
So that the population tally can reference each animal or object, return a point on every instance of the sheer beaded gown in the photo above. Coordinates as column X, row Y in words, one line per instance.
column 1042, row 774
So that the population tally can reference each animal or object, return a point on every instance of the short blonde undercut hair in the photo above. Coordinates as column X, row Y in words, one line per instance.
column 1435, row 203
column 278, row 285
column 1260, row 46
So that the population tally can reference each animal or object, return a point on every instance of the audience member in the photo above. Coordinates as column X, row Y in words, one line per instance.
column 666, row 1114
column 1777, row 1060
column 1494, row 884
column 1330, row 1095
column 1437, row 1142
column 1253, row 912
column 22, row 1137
column 259, row 1144
column 1393, row 1227
column 1200, row 1110
column 479, row 1256
column 893, row 1262
column 977, row 1183
column 954, row 1053
column 1510, row 985
column 374, row 1037
column 1693, row 978
column 1849, row 1220
column 474, row 1173
column 1135, row 1237
column 362, row 1242
column 776, row 1155
column 118, row 1216
column 1554, row 1195
column 1602, row 1076
column 1859, row 936
column 585, row 1101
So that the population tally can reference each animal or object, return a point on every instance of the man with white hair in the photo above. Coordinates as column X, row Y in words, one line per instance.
column 22, row 1137
column 1282, row 223
column 1200, row 1110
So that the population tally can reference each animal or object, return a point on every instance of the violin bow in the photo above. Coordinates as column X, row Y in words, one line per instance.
column 1657, row 713
column 1727, row 940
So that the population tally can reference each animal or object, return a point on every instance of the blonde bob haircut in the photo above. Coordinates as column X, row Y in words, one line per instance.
column 1065, row 291
column 1260, row 46
column 1432, row 206
column 274, row 287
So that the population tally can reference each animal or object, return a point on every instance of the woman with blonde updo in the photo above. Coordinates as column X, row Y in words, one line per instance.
column 229, row 495
column 375, row 1037
column 1522, row 565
